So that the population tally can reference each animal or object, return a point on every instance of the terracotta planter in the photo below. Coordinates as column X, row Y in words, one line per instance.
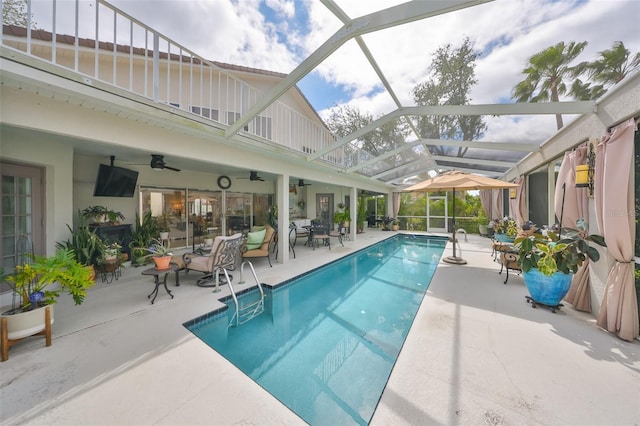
column 162, row 262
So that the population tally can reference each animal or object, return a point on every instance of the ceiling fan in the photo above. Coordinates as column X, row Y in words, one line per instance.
column 301, row 183
column 253, row 176
column 157, row 162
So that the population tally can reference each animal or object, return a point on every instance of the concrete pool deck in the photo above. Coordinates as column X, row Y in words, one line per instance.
column 477, row 353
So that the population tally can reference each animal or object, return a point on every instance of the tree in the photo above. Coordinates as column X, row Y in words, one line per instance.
column 450, row 78
column 14, row 12
column 585, row 91
column 613, row 65
column 344, row 120
column 547, row 73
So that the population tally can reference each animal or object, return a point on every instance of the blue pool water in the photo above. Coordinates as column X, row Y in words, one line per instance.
column 327, row 341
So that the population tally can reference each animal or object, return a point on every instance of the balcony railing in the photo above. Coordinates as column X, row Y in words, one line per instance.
column 99, row 41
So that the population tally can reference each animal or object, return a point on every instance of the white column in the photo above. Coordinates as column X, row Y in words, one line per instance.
column 353, row 208
column 282, row 197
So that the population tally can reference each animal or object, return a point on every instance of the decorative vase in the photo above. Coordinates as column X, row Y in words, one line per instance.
column 164, row 235
column 545, row 289
column 162, row 262
column 503, row 238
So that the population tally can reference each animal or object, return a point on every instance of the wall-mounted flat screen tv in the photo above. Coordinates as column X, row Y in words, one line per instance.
column 113, row 181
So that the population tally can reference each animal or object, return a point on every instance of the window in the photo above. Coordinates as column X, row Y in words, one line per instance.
column 205, row 112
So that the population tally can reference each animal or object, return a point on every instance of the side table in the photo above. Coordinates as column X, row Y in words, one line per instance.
column 156, row 277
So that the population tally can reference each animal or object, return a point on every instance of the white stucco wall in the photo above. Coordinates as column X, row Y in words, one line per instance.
column 56, row 157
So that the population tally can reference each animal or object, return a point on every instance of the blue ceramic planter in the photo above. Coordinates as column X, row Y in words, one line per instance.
column 503, row 238
column 547, row 290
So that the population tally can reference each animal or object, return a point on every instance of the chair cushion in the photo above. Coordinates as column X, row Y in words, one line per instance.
column 258, row 228
column 255, row 239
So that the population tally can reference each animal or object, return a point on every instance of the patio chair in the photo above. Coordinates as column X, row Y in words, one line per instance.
column 222, row 258
column 252, row 249
column 320, row 233
column 338, row 233
column 509, row 260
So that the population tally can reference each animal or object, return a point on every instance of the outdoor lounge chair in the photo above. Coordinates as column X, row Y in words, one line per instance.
column 263, row 250
column 222, row 258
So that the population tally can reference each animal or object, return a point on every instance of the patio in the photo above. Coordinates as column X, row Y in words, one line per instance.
column 476, row 354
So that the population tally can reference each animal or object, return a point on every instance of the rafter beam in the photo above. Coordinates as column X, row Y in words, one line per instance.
column 402, row 166
column 465, row 160
column 520, row 108
column 500, row 146
column 355, row 135
column 396, row 15
column 381, row 157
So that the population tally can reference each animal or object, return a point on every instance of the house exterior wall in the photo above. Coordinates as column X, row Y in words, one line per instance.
column 55, row 156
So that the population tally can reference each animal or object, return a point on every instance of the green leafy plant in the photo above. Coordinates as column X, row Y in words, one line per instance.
column 505, row 226
column 342, row 216
column 32, row 279
column 95, row 213
column 157, row 248
column 551, row 253
column 86, row 246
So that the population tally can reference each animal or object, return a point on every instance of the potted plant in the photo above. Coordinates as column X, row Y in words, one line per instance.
column 38, row 283
column 386, row 223
column 395, row 225
column 160, row 254
column 164, row 220
column 114, row 217
column 111, row 258
column 141, row 236
column 548, row 262
column 85, row 245
column 505, row 230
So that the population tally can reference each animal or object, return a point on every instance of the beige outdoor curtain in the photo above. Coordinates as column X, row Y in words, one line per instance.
column 517, row 205
column 491, row 200
column 395, row 204
column 576, row 206
column 615, row 214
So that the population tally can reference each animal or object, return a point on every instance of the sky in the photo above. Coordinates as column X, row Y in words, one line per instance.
column 277, row 35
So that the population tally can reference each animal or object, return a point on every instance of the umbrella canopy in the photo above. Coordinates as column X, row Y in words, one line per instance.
column 455, row 180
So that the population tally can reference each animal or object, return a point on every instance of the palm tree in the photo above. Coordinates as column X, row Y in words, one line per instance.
column 613, row 65
column 546, row 74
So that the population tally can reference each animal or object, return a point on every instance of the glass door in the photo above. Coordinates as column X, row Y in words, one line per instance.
column 22, row 207
column 437, row 213
column 167, row 206
column 324, row 208
column 205, row 215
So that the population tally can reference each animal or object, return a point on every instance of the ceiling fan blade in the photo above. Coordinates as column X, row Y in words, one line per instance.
column 171, row 168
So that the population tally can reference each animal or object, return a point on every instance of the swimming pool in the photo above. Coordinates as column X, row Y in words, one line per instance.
column 327, row 341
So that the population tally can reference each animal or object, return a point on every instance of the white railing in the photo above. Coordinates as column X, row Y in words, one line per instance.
column 99, row 41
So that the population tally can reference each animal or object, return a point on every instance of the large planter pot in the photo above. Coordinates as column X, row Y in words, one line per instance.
column 18, row 325
column 545, row 289
column 483, row 229
column 503, row 238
